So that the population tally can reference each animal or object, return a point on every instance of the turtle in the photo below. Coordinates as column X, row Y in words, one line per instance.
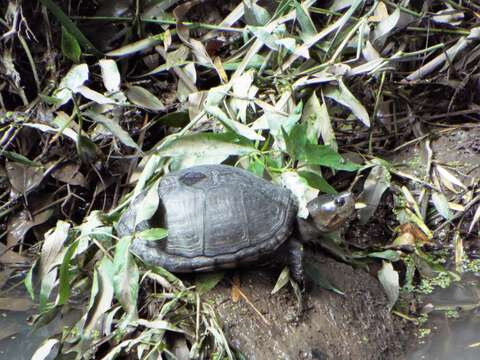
column 221, row 217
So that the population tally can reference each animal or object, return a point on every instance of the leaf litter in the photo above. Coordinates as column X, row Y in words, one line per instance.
column 320, row 98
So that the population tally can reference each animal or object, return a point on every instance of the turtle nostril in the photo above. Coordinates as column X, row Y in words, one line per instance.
column 340, row 201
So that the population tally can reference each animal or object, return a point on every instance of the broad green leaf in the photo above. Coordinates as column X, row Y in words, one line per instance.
column 152, row 234
column 126, row 277
column 389, row 279
column 324, row 155
column 343, row 96
column 70, row 46
column 296, row 141
column 144, row 98
column 210, row 148
column 282, row 280
column 257, row 167
column 206, row 282
column 318, row 182
column 113, row 127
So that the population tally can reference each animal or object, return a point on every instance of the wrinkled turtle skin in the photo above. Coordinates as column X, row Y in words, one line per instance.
column 222, row 217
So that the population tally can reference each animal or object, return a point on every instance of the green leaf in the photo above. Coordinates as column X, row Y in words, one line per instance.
column 152, row 234
column 144, row 98
column 50, row 257
column 206, row 282
column 257, row 167
column 29, row 280
column 147, row 207
column 18, row 158
column 210, row 148
column 86, row 149
column 318, row 182
column 126, row 277
column 65, row 275
column 390, row 255
column 305, row 21
column 101, row 295
column 324, row 155
column 296, row 141
column 70, row 26
column 235, row 126
column 317, row 118
column 70, row 46
column 255, row 14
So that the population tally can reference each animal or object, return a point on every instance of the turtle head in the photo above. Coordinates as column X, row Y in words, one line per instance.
column 329, row 212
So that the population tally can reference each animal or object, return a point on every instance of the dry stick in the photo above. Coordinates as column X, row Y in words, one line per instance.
column 247, row 300
column 459, row 46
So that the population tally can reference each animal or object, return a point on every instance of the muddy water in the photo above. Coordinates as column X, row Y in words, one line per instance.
column 18, row 339
column 454, row 321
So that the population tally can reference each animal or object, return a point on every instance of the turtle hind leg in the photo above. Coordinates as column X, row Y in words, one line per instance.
column 295, row 261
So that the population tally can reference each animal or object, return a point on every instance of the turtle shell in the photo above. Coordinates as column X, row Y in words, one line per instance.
column 218, row 216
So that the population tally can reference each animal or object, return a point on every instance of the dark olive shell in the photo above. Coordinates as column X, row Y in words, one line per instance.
column 217, row 216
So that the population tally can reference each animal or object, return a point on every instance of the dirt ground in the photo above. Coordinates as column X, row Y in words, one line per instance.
column 358, row 325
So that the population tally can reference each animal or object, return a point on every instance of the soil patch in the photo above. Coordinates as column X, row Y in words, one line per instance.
column 358, row 325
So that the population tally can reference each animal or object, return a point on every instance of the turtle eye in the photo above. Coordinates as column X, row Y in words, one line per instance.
column 340, row 201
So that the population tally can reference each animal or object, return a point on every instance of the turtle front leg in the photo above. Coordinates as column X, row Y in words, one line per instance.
column 295, row 260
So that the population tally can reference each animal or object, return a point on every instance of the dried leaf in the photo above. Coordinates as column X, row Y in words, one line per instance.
column 70, row 84
column 23, row 178
column 282, row 280
column 110, row 75
column 114, row 128
column 70, row 173
column 441, row 204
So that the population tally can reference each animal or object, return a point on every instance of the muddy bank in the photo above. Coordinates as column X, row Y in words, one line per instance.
column 355, row 326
